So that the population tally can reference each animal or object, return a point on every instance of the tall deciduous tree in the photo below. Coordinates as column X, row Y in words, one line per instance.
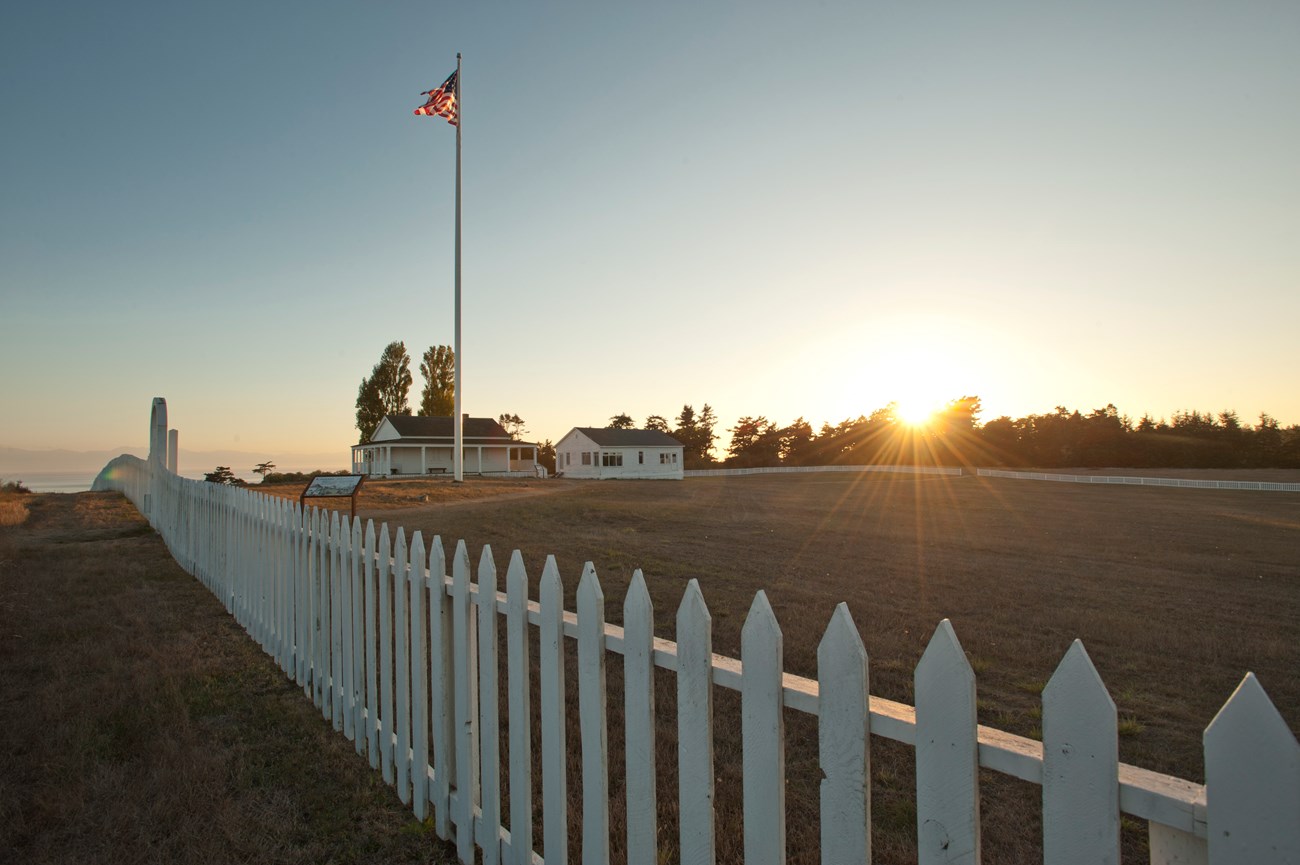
column 438, row 366
column 621, row 421
column 658, row 422
column 384, row 393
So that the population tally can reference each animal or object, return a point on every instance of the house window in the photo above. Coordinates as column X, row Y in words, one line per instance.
column 667, row 459
column 640, row 457
column 611, row 459
column 568, row 458
column 586, row 458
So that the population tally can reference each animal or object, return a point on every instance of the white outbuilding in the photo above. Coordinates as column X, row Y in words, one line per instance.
column 595, row 452
column 405, row 446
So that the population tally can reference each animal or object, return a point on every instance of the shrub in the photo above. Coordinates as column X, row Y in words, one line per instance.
column 301, row 477
column 13, row 487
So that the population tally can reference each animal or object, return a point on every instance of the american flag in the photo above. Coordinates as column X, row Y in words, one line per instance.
column 442, row 101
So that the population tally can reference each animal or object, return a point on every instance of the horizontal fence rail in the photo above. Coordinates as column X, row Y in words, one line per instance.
column 395, row 640
column 1141, row 482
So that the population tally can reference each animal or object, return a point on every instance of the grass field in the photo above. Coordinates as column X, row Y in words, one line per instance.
column 1175, row 593
column 142, row 725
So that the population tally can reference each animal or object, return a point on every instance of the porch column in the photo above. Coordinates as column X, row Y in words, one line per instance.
column 480, row 459
column 424, row 466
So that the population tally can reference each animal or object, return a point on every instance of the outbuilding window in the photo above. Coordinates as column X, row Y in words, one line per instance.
column 614, row 458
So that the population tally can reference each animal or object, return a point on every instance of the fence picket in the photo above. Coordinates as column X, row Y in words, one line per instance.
column 317, row 646
column 489, row 711
column 550, row 660
column 639, row 723
column 387, row 701
column 695, row 728
column 1080, row 766
column 347, row 651
column 402, row 653
column 947, row 753
column 465, row 643
column 591, row 718
column 324, row 572
column 1252, row 780
column 440, row 682
column 368, row 575
column 520, row 777
column 358, row 645
column 843, row 740
column 762, row 727
column 336, row 548
column 419, row 681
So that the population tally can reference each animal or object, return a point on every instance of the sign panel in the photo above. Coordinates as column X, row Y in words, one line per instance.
column 333, row 486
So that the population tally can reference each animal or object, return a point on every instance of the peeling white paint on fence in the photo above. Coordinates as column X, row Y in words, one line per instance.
column 301, row 583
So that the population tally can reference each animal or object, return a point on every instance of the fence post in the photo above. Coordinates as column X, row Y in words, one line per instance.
column 518, row 675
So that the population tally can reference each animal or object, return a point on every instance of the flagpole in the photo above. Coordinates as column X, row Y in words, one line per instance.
column 459, row 437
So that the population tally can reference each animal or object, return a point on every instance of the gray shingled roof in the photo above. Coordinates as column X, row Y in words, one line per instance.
column 629, row 438
column 411, row 426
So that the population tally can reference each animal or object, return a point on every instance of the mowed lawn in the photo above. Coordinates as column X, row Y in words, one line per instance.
column 1175, row 593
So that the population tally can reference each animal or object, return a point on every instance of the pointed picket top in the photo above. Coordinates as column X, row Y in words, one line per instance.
column 843, row 739
column 437, row 561
column 947, row 752
column 334, row 524
column 370, row 535
column 550, row 591
column 487, row 579
column 760, row 622
column 417, row 556
column 692, row 611
column 1080, row 765
column 517, row 582
column 1252, row 779
column 399, row 547
column 385, row 545
column 460, row 567
column 638, row 611
column 590, row 593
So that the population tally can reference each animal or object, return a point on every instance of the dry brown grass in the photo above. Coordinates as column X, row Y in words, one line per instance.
column 143, row 725
column 1175, row 593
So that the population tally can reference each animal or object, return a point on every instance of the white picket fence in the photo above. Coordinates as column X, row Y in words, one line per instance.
column 1125, row 480
column 398, row 647
column 788, row 470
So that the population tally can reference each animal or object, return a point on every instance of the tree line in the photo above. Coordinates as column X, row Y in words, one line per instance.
column 385, row 391
column 1058, row 439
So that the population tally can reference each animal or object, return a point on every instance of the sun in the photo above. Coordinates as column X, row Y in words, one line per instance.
column 916, row 410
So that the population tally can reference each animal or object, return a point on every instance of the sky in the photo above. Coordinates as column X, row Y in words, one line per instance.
column 775, row 209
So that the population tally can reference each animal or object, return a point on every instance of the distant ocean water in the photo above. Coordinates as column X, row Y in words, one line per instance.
column 57, row 482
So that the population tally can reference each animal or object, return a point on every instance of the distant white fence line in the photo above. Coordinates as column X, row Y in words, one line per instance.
column 1143, row 482
column 399, row 649
column 786, row 470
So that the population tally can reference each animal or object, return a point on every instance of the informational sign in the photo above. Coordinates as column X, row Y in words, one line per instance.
column 333, row 487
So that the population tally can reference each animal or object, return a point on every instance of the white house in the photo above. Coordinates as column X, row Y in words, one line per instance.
column 409, row 446
column 593, row 452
